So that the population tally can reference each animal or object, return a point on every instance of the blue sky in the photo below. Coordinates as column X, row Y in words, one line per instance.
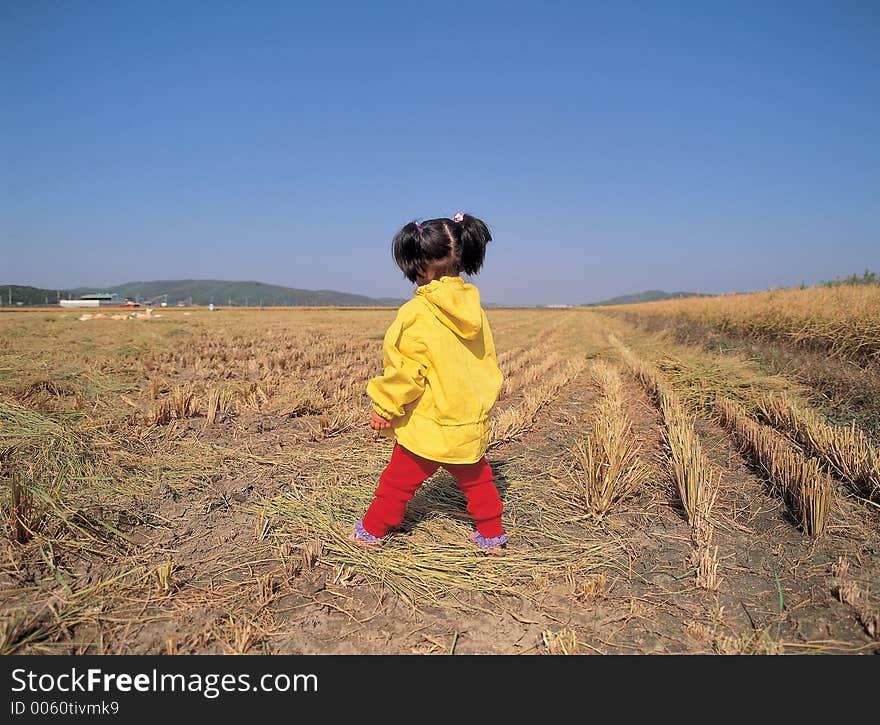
column 611, row 147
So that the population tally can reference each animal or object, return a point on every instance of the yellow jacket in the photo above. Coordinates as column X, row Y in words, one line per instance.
column 441, row 375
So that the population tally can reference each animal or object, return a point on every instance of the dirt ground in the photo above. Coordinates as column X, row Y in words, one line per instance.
column 243, row 580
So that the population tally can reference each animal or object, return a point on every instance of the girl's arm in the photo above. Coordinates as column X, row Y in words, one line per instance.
column 490, row 341
column 405, row 368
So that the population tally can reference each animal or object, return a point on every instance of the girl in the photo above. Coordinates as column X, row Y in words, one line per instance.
column 441, row 381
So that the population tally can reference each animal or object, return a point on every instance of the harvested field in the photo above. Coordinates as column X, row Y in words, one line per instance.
column 187, row 484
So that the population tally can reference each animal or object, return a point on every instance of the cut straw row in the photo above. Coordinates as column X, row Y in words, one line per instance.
column 607, row 462
column 529, row 375
column 187, row 400
column 846, row 451
column 696, row 481
column 806, row 489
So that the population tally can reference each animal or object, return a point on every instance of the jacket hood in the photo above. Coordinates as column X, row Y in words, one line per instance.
column 456, row 304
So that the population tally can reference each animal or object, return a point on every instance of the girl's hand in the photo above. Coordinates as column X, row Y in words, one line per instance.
column 377, row 422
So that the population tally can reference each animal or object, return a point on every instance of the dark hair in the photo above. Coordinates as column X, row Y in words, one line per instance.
column 444, row 245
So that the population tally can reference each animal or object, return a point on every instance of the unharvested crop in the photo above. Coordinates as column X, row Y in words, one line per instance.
column 844, row 320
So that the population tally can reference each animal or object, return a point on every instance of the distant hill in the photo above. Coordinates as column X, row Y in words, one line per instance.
column 649, row 296
column 203, row 292
column 16, row 294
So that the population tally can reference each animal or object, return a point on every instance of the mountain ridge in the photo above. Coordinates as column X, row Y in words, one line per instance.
column 202, row 292
column 646, row 296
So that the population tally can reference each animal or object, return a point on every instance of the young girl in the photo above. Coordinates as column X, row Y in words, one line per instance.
column 441, row 380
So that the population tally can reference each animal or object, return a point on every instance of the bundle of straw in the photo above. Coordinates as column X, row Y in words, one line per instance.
column 806, row 489
column 607, row 461
column 847, row 451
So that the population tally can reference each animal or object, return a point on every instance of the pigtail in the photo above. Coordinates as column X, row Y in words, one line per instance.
column 407, row 250
column 441, row 246
column 473, row 236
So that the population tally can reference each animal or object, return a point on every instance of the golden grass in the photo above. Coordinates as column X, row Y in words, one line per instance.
column 165, row 576
column 183, row 401
column 340, row 420
column 514, row 361
column 844, row 320
column 23, row 517
column 607, row 465
column 847, row 451
column 160, row 413
column 309, row 399
column 805, row 488
column 697, row 482
column 756, row 643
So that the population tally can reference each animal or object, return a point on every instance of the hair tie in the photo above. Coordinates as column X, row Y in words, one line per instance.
column 459, row 217
column 418, row 228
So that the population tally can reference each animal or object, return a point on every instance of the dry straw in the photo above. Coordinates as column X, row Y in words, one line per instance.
column 806, row 489
column 219, row 405
column 848, row 591
column 183, row 401
column 607, row 464
column 846, row 451
column 561, row 642
column 515, row 368
column 434, row 556
column 705, row 559
column 697, row 482
column 48, row 449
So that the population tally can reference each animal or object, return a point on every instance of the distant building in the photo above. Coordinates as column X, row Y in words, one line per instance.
column 97, row 299
column 79, row 303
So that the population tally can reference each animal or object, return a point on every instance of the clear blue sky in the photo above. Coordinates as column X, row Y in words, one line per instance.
column 611, row 147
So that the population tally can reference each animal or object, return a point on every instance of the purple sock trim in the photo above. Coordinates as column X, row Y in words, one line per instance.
column 364, row 535
column 491, row 543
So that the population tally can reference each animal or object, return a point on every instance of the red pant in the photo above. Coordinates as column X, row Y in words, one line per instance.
column 404, row 474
